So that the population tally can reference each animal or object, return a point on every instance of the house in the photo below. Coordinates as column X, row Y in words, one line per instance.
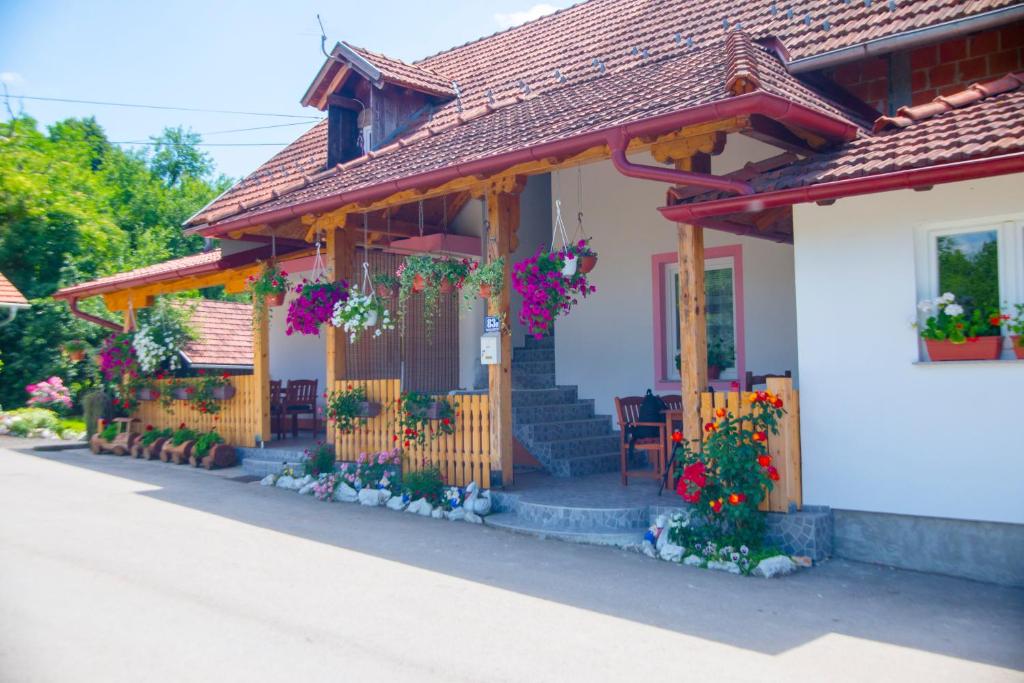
column 767, row 185
column 10, row 299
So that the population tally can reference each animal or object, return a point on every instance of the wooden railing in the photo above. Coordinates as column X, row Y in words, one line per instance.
column 462, row 457
column 238, row 420
column 784, row 447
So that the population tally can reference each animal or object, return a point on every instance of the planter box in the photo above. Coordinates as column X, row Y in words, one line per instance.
column 368, row 409
column 180, row 393
column 224, row 393
column 147, row 394
column 152, row 451
column 179, row 455
column 122, row 443
column 434, row 411
column 221, row 455
column 985, row 348
column 97, row 445
column 1018, row 350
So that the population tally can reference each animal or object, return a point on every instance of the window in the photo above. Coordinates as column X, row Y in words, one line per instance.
column 724, row 304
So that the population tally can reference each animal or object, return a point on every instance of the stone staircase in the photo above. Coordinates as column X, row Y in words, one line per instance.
column 557, row 427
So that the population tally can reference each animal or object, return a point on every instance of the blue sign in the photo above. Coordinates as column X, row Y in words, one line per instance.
column 492, row 323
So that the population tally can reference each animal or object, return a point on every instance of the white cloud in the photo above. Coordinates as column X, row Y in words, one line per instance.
column 11, row 78
column 510, row 19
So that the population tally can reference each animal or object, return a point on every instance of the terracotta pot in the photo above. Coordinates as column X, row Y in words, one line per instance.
column 223, row 393
column 274, row 300
column 1018, row 345
column 147, row 394
column 587, row 263
column 368, row 409
column 221, row 455
column 485, row 291
column 76, row 356
column 152, row 451
column 417, row 283
column 179, row 455
column 385, row 292
column 180, row 393
column 714, row 372
column 446, row 286
column 983, row 348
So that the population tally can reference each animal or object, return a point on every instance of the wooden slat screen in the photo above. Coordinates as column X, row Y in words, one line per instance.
column 462, row 457
column 238, row 420
column 784, row 447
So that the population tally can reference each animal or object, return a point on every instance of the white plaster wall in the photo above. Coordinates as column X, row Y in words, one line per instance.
column 879, row 432
column 606, row 344
column 299, row 356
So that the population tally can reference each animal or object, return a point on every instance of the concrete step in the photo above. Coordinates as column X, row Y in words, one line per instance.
column 547, row 342
column 261, row 467
column 580, row 410
column 511, row 521
column 533, row 355
column 530, row 380
column 565, row 429
column 544, row 396
column 557, row 449
column 536, row 367
column 582, row 465
column 571, row 518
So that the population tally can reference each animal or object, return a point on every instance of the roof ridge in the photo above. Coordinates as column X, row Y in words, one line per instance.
column 906, row 116
column 741, row 69
column 411, row 65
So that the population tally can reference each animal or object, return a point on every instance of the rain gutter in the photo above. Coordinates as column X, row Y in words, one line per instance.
column 767, row 104
column 89, row 318
column 884, row 182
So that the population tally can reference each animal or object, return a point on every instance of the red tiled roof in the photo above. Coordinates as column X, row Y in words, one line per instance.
column 224, row 331
column 169, row 269
column 569, row 49
column 413, row 76
column 983, row 121
column 654, row 88
column 9, row 294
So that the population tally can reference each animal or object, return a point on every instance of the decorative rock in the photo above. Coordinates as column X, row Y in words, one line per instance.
column 345, row 493
column 456, row 515
column 307, row 489
column 473, row 518
column 308, row 479
column 670, row 551
column 420, row 506
column 647, row 548
column 437, row 513
column 802, row 560
column 369, row 497
column 692, row 560
column 770, row 567
column 268, row 480
column 730, row 567
column 396, row 503
column 482, row 504
column 285, row 482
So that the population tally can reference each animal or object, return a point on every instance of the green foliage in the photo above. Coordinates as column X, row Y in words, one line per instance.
column 151, row 435
column 206, row 441
column 954, row 322
column 96, row 405
column 183, row 434
column 426, row 483
column 969, row 266
column 110, row 432
column 74, row 207
column 491, row 274
column 320, row 461
column 23, row 421
column 343, row 408
column 414, row 422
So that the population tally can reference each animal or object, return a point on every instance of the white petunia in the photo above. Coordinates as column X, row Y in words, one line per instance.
column 954, row 309
column 947, row 298
column 926, row 306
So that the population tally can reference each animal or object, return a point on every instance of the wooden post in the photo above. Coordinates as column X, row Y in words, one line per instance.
column 338, row 262
column 693, row 336
column 503, row 221
column 261, row 376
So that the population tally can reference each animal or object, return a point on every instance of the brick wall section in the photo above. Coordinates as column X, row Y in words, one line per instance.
column 938, row 69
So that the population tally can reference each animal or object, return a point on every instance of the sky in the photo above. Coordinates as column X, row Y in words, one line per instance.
column 255, row 56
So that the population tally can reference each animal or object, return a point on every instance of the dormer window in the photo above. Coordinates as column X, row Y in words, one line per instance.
column 371, row 99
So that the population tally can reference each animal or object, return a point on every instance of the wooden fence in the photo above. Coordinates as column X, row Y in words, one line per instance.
column 462, row 457
column 784, row 447
column 238, row 420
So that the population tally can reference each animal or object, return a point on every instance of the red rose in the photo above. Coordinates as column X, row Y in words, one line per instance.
column 446, row 422
column 778, row 403
column 764, row 460
column 225, row 375
column 716, row 505
column 677, row 436
column 760, row 436
column 734, row 499
column 773, row 474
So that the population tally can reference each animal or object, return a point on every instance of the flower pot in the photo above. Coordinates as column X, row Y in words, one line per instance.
column 368, row 409
column 274, row 300
column 418, row 283
column 385, row 292
column 152, row 451
column 181, row 393
column 76, row 356
column 714, row 372
column 1017, row 342
column 587, row 263
column 371, row 318
column 485, row 291
column 446, row 286
column 433, row 411
column 220, row 455
column 981, row 348
column 179, row 455
column 223, row 392
column 569, row 268
column 122, row 443
column 96, row 444
column 147, row 394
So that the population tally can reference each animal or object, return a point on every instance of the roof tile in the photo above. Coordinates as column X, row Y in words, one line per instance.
column 9, row 294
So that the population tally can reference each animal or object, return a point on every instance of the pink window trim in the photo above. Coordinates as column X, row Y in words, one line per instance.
column 658, row 293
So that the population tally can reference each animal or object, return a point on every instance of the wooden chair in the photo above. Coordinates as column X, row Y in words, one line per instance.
column 628, row 410
column 300, row 399
column 276, row 409
column 673, row 421
column 753, row 379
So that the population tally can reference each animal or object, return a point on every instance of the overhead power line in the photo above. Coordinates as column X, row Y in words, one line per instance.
column 201, row 144
column 166, row 108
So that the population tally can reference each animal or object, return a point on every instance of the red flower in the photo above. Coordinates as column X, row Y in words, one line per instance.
column 720, row 412
column 446, row 422
column 710, row 427
column 773, row 474
column 737, row 498
column 995, row 321
column 394, row 438
column 778, row 403
column 406, row 444
column 764, row 460
column 201, row 373
column 716, row 505
column 181, row 426
column 225, row 375
column 149, row 428
column 677, row 436
column 734, row 385
column 760, row 436
column 695, row 472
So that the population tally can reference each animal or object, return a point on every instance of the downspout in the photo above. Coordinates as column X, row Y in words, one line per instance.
column 618, row 141
column 89, row 318
column 12, row 312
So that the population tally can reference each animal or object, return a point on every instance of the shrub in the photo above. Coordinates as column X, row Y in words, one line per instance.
column 204, row 442
column 96, row 406
column 49, row 393
column 151, row 435
column 23, row 421
column 426, row 483
column 110, row 432
column 183, row 434
column 320, row 461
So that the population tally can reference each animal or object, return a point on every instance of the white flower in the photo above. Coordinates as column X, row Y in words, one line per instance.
column 946, row 298
column 954, row 309
column 926, row 306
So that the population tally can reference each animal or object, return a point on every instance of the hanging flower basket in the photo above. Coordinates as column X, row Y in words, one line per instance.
column 483, row 281
column 484, row 292
column 76, row 350
column 268, row 288
column 975, row 348
column 359, row 312
column 546, row 291
column 386, row 285
column 445, row 286
column 274, row 300
column 585, row 258
column 418, row 284
column 314, row 305
column 587, row 263
column 223, row 392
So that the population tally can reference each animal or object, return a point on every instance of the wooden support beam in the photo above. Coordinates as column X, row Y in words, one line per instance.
column 261, row 375
column 503, row 222
column 693, row 352
column 339, row 265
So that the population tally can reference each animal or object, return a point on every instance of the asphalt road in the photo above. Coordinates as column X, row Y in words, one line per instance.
column 119, row 570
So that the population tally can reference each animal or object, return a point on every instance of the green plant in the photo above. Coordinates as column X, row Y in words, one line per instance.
column 162, row 333
column 1016, row 324
column 387, row 280
column 270, row 282
column 320, row 461
column 183, row 434
column 96, row 405
column 75, row 346
column 426, row 483
column 23, row 421
column 361, row 312
column 729, row 476
column 150, row 435
column 413, row 422
column 206, row 441
column 342, row 407
column 490, row 275
column 720, row 353
column 452, row 271
column 198, row 391
column 372, row 470
column 417, row 274
column 110, row 432
column 70, row 426
column 948, row 321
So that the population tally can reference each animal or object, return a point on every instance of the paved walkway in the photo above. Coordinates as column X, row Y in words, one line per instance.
column 120, row 570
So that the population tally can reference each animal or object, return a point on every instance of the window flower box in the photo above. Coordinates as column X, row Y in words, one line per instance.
column 975, row 348
column 223, row 392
